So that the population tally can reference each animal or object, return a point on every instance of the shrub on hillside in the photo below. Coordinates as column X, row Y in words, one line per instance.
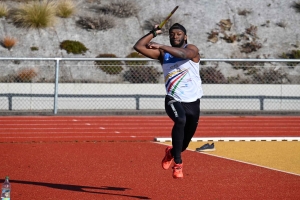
column 103, row 22
column 252, row 30
column 109, row 67
column 139, row 72
column 25, row 75
column 270, row 76
column 294, row 54
column 296, row 5
column 211, row 75
column 8, row 42
column 249, row 47
column 34, row 48
column 238, row 80
column 135, row 63
column 22, row 1
column 142, row 74
column 74, row 47
column 122, row 9
column 244, row 12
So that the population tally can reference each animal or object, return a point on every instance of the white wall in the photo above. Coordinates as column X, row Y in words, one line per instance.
column 39, row 103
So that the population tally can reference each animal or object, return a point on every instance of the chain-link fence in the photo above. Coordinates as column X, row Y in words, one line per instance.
column 136, row 85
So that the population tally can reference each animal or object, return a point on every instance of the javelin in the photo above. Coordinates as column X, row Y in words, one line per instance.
column 168, row 17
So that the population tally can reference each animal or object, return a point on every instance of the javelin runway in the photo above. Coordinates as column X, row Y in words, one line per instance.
column 116, row 158
column 79, row 128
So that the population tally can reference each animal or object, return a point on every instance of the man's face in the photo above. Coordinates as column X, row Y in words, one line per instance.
column 177, row 38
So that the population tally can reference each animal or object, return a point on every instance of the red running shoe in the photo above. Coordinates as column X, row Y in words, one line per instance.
column 167, row 161
column 177, row 171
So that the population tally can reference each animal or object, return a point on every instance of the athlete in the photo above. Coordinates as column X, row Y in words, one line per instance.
column 180, row 64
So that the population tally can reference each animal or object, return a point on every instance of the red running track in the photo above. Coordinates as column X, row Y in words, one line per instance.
column 131, row 170
column 114, row 158
column 111, row 128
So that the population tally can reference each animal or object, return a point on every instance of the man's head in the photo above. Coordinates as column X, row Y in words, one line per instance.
column 177, row 35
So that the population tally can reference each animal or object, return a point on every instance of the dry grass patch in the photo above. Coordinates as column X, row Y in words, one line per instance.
column 65, row 8
column 35, row 14
column 3, row 9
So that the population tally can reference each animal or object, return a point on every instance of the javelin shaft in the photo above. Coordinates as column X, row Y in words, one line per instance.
column 168, row 17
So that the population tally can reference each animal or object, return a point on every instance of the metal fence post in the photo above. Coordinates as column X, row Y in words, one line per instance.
column 9, row 101
column 137, row 102
column 56, row 85
column 261, row 99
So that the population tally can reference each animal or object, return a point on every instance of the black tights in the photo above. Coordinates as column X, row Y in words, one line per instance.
column 185, row 117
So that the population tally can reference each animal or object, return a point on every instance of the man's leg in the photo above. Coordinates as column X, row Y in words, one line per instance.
column 192, row 117
column 176, row 112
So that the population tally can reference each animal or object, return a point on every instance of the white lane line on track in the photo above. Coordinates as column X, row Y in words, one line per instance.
column 94, row 123
column 75, row 137
column 227, row 139
column 53, row 128
column 88, row 119
column 72, row 132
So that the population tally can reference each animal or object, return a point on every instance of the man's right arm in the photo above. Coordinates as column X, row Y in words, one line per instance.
column 141, row 46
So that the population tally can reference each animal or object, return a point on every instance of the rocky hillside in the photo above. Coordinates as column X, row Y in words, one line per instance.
column 273, row 24
column 220, row 28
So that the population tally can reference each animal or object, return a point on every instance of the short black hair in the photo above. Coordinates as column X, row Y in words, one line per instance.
column 177, row 26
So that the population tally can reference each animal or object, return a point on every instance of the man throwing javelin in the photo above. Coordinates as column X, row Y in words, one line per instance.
column 180, row 64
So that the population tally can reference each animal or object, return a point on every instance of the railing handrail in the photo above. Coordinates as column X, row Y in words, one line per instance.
column 148, row 59
column 137, row 97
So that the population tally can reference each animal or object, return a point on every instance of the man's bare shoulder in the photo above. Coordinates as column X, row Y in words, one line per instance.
column 191, row 46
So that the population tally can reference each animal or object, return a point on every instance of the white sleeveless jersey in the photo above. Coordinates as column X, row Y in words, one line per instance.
column 182, row 78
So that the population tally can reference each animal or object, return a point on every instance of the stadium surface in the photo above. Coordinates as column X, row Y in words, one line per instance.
column 59, row 157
